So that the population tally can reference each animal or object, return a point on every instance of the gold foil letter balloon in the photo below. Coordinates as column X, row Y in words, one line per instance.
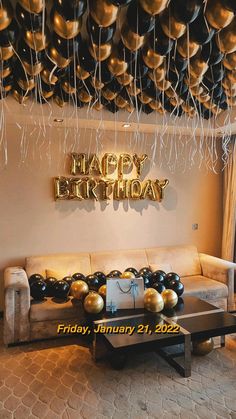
column 125, row 161
column 79, row 289
column 109, row 161
column 170, row 298
column 153, row 301
column 93, row 303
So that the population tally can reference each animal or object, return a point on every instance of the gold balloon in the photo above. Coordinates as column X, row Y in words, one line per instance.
column 97, row 84
column 217, row 15
column 132, row 89
column 100, row 52
column 48, row 77
column 226, row 39
column 47, row 94
column 6, row 52
column 27, row 84
column 37, row 40
column 66, row 28
column 170, row 26
column 150, row 291
column 198, row 66
column 131, row 40
column 66, row 86
column 33, row 69
column 116, row 66
column 230, row 61
column 231, row 101
column 4, row 72
column 84, row 96
column 121, row 102
column 155, row 105
column 103, row 12
column 20, row 98
column 192, row 81
column 103, row 291
column 163, row 85
column 144, row 98
column 170, row 92
column 60, row 61
column 81, row 73
column 6, row 14
column 5, row 88
column 108, row 94
column 127, row 275
column 93, row 303
column 151, row 58
column 196, row 90
column 124, row 78
column 203, row 347
column 98, row 106
column 153, row 7
column 231, row 76
column 33, row 6
column 59, row 101
column 153, row 302
column 79, row 289
column 130, row 108
column 159, row 73
column 186, row 47
column 170, row 298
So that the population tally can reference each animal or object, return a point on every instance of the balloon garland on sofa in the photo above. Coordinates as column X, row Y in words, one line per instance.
column 169, row 56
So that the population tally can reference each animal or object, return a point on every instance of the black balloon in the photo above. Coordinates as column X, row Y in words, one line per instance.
column 28, row 54
column 114, row 274
column 103, row 74
column 159, row 287
column 121, row 3
column 172, row 275
column 176, row 286
column 101, row 276
column 29, row 21
column 157, row 276
column 125, row 53
column 230, row 5
column 38, row 290
column 69, row 280
column 211, row 53
column 50, row 286
column 85, row 59
column 133, row 270
column 114, row 86
column 61, row 290
column 138, row 69
column 9, row 35
column 35, row 277
column 146, row 109
column 200, row 31
column 99, row 34
column 177, row 62
column 215, row 73
column 159, row 41
column 145, row 271
column 138, row 20
column 93, row 282
column 70, row 9
column 185, row 11
column 147, row 280
column 78, row 276
column 112, row 107
column 66, row 47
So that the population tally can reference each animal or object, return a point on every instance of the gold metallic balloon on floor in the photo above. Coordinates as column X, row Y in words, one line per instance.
column 170, row 26
column 65, row 28
column 116, row 66
column 100, row 52
column 217, row 15
column 33, row 6
column 6, row 14
column 153, row 7
column 131, row 40
column 79, row 289
column 127, row 275
column 153, row 302
column 103, row 12
column 226, row 40
column 103, row 291
column 170, row 298
column 203, row 347
column 93, row 303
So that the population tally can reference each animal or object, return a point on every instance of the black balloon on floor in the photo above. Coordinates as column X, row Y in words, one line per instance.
column 157, row 276
column 176, row 286
column 145, row 271
column 78, row 276
column 172, row 275
column 61, row 290
column 35, row 277
column 114, row 274
column 38, row 290
column 159, row 287
column 93, row 282
column 50, row 286
column 69, row 280
column 101, row 276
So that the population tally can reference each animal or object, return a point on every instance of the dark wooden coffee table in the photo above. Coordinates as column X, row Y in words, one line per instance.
column 192, row 319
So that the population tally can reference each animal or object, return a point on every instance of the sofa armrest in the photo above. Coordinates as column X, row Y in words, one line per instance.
column 16, row 305
column 220, row 270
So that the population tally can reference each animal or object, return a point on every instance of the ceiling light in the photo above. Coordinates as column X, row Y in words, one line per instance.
column 126, row 125
column 58, row 120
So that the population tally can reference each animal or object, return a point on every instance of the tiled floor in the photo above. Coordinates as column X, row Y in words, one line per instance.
column 44, row 380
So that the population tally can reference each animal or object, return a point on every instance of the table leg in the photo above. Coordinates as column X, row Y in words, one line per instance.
column 222, row 341
column 183, row 368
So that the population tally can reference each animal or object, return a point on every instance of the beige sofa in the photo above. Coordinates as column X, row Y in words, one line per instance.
column 204, row 276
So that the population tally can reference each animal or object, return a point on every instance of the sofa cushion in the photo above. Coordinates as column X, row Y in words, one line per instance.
column 51, row 310
column 67, row 263
column 166, row 267
column 184, row 260
column 203, row 287
column 108, row 261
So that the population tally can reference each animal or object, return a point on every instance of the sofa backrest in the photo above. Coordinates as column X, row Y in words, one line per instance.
column 118, row 259
column 184, row 260
column 64, row 264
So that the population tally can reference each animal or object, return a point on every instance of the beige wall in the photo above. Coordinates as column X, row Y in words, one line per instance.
column 31, row 222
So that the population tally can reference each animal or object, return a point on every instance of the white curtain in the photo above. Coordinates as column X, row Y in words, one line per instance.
column 229, row 205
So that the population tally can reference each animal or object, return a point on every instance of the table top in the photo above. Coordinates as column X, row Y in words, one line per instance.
column 191, row 315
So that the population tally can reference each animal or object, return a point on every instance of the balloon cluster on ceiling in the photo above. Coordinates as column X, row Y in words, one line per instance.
column 151, row 55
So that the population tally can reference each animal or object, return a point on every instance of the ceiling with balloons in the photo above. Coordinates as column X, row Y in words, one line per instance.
column 166, row 57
